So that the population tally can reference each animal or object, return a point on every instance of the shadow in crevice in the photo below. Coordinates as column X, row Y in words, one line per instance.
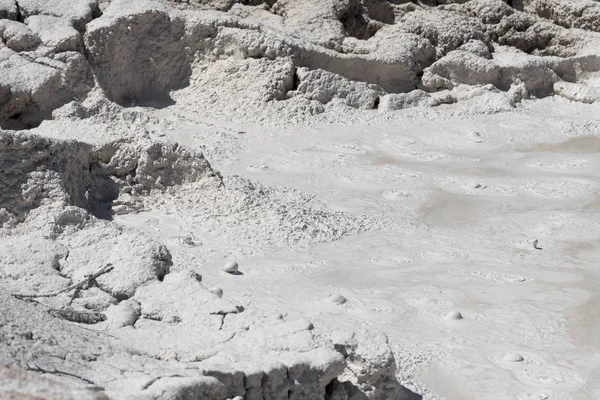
column 158, row 101
column 36, row 171
column 103, row 191
column 358, row 24
column 15, row 123
column 381, row 11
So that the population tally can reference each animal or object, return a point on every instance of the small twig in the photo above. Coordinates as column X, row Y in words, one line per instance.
column 77, row 286
column 37, row 368
column 77, row 316
column 187, row 240
column 153, row 380
column 74, row 295
column 222, row 321
column 98, row 331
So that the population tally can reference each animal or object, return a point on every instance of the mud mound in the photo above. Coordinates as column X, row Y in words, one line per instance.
column 260, row 215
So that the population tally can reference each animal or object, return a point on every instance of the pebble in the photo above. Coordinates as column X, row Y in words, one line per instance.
column 217, row 291
column 337, row 299
column 231, row 267
column 476, row 137
column 456, row 315
column 121, row 210
column 512, row 357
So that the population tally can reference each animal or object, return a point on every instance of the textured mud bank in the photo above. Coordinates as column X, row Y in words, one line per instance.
column 357, row 52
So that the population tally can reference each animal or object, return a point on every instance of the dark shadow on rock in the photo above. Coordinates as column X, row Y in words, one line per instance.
column 15, row 123
column 336, row 390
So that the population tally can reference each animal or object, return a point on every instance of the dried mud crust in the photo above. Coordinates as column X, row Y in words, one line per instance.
column 66, row 192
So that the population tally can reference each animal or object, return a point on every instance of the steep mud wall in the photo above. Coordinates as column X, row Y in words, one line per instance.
column 143, row 50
